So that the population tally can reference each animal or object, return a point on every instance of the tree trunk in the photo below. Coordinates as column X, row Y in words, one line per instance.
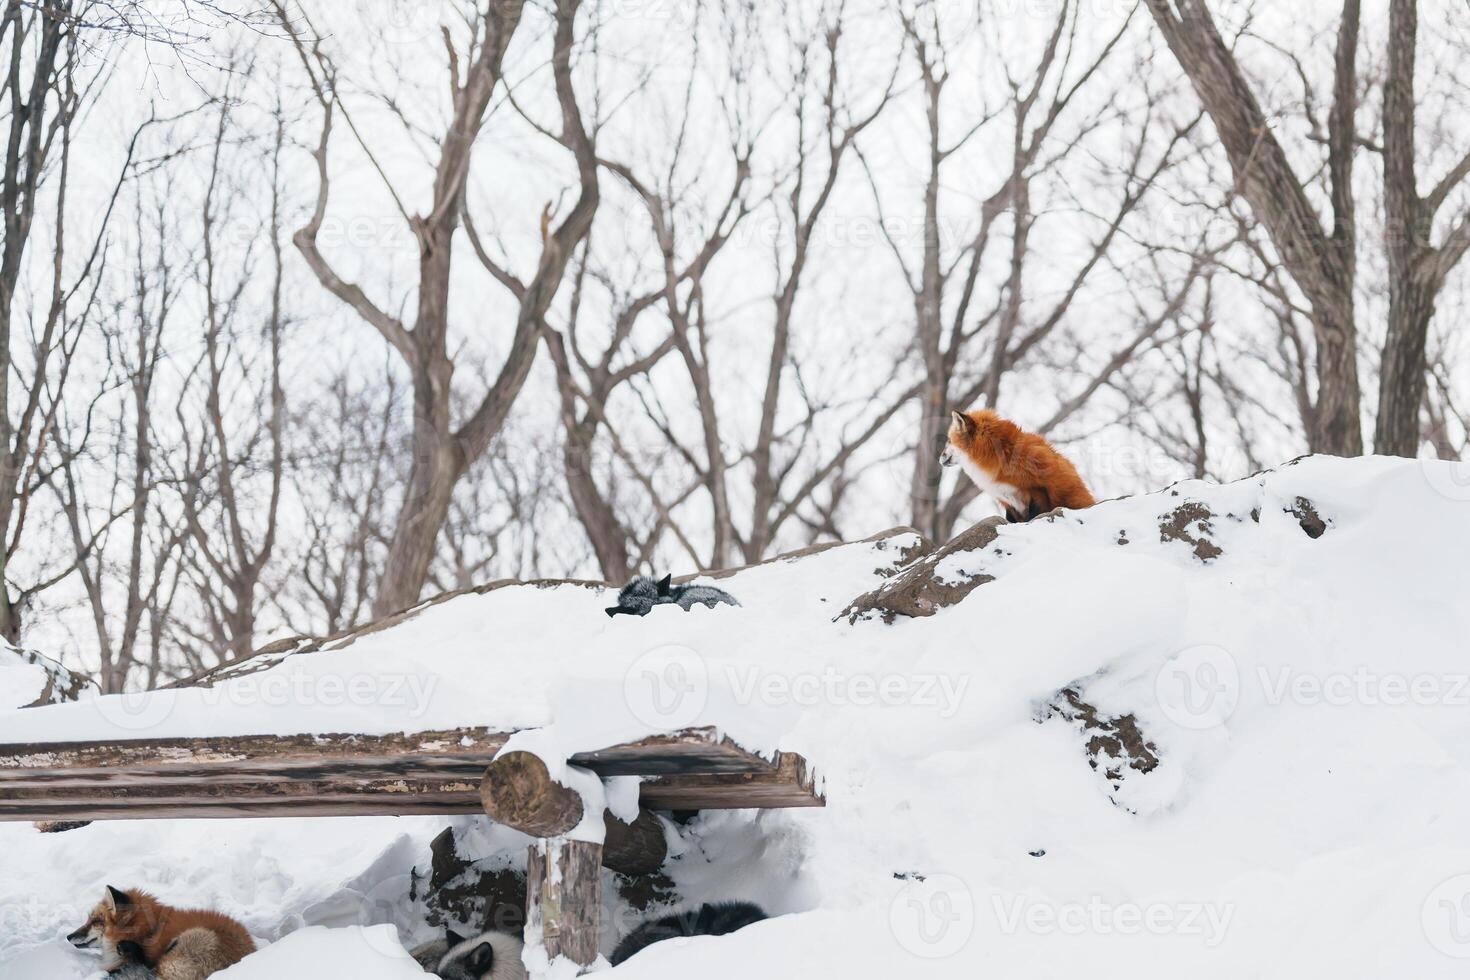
column 1339, row 430
column 1412, row 283
column 608, row 536
column 1401, row 375
column 927, row 474
column 9, row 616
column 437, row 465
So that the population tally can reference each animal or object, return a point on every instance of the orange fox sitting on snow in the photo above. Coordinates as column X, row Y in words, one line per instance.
column 175, row 944
column 1019, row 469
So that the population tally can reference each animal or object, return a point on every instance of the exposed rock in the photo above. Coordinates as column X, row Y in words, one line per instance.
column 1306, row 515
column 475, row 895
column 57, row 684
column 1116, row 747
column 643, row 892
column 1190, row 523
column 918, row 590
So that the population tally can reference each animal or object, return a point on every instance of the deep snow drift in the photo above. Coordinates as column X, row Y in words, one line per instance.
column 1307, row 699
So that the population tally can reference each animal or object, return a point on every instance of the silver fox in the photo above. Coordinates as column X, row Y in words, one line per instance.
column 710, row 919
column 489, row 956
column 639, row 596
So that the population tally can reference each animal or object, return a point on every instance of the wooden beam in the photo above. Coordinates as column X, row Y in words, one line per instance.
column 564, row 897
column 789, row 784
column 342, row 775
column 459, row 751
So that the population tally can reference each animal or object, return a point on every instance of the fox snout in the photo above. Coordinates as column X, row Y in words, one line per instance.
column 84, row 938
column 947, row 458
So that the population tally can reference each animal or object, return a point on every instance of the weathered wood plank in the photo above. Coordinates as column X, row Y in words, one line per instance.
column 790, row 784
column 457, row 751
column 775, row 788
column 260, row 752
column 432, row 773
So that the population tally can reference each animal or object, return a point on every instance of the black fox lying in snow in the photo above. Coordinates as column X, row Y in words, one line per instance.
column 642, row 594
column 711, row 919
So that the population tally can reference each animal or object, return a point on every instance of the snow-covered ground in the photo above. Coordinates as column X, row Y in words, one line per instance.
column 1308, row 698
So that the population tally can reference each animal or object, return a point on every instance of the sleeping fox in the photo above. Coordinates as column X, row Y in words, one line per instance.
column 133, row 929
column 1019, row 469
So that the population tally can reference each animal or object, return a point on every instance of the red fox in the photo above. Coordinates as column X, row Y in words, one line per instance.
column 133, row 927
column 1019, row 469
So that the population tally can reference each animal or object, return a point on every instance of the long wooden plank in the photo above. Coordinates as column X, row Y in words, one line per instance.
column 460, row 752
column 778, row 787
column 318, row 775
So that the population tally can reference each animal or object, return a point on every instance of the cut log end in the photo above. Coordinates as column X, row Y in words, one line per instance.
column 517, row 790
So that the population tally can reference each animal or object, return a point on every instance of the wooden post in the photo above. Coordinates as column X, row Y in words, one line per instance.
column 564, row 897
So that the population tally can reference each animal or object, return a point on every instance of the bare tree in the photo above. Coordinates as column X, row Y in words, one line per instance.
column 233, row 438
column 55, row 66
column 1417, row 268
column 130, row 631
column 968, row 346
column 352, row 446
column 444, row 449
column 1320, row 261
column 41, row 101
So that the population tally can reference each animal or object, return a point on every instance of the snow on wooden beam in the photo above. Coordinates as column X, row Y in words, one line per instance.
column 337, row 775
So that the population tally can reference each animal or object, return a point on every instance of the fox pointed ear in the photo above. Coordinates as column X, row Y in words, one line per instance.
column 453, row 938
column 117, row 899
column 961, row 421
column 665, row 583
column 481, row 959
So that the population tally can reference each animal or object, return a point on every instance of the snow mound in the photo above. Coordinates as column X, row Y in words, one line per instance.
column 319, row 952
column 1219, row 731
